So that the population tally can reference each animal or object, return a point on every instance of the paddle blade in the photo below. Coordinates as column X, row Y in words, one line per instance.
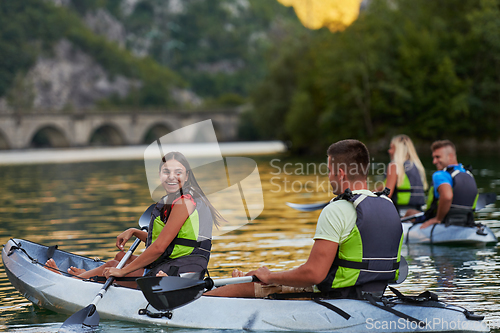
column 403, row 270
column 145, row 217
column 169, row 292
column 81, row 321
column 307, row 207
column 484, row 199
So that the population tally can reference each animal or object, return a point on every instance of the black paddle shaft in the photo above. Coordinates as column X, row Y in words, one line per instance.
column 88, row 316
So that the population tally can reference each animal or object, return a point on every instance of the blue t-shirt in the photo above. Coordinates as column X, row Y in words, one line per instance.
column 444, row 177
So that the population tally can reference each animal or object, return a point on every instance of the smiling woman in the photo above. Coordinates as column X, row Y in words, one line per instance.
column 179, row 236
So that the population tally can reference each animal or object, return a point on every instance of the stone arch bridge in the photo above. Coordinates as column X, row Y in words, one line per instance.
column 19, row 131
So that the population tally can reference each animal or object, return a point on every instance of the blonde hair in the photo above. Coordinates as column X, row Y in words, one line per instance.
column 405, row 151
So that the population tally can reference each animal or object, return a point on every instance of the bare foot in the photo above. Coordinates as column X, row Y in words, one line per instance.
column 237, row 273
column 75, row 270
column 161, row 273
column 51, row 266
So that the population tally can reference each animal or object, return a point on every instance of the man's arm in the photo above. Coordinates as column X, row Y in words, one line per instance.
column 312, row 272
column 445, row 198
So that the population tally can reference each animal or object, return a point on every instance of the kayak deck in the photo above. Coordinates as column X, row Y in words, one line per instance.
column 447, row 235
column 68, row 295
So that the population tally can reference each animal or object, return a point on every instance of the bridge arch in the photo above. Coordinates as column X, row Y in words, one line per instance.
column 156, row 131
column 107, row 135
column 49, row 136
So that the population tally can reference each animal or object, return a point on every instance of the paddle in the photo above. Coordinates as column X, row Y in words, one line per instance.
column 89, row 317
column 483, row 200
column 166, row 293
column 307, row 207
column 412, row 216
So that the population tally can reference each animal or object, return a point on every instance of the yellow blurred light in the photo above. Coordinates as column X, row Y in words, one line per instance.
column 334, row 14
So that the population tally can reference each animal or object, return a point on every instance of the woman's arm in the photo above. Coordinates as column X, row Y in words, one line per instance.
column 180, row 212
column 122, row 238
column 392, row 178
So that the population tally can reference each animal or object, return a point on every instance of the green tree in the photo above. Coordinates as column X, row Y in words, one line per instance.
column 427, row 69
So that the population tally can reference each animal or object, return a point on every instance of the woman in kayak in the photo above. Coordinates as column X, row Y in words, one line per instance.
column 180, row 230
column 405, row 174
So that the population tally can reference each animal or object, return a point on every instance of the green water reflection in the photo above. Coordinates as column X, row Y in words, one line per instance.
column 83, row 206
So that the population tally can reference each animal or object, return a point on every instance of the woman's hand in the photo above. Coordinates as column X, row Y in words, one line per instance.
column 122, row 238
column 113, row 271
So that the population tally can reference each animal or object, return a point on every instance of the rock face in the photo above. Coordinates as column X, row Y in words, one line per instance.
column 103, row 24
column 72, row 79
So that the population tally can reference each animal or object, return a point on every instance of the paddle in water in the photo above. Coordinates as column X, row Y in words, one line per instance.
column 89, row 317
column 483, row 200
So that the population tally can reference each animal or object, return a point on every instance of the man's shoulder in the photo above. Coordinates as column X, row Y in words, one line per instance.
column 441, row 174
column 441, row 177
column 337, row 209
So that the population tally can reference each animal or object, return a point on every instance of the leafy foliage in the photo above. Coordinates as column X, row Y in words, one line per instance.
column 427, row 69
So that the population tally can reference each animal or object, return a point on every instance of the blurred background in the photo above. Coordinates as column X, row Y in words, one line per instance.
column 307, row 72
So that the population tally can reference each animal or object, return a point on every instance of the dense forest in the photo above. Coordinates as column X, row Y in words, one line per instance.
column 430, row 69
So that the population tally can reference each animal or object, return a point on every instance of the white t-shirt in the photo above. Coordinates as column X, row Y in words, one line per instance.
column 337, row 220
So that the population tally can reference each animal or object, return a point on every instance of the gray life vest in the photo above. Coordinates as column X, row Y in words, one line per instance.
column 415, row 188
column 464, row 199
column 372, row 251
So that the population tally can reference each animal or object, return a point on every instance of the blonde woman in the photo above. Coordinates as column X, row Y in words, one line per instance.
column 405, row 174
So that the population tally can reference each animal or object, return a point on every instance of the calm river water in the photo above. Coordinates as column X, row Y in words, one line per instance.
column 83, row 206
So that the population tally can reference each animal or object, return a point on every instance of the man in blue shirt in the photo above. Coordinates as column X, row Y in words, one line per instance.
column 454, row 188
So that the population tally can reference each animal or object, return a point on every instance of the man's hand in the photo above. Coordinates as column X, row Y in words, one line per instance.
column 263, row 273
column 430, row 222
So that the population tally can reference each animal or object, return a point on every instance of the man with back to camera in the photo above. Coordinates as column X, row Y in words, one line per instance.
column 453, row 194
column 358, row 238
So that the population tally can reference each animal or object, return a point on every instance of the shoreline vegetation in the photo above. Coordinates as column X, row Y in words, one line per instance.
column 469, row 146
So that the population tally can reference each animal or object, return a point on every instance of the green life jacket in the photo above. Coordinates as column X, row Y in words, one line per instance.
column 193, row 238
column 411, row 192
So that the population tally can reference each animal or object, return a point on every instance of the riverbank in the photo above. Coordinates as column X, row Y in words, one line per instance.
column 54, row 155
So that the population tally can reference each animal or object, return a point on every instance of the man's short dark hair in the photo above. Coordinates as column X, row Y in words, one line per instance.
column 352, row 156
column 442, row 143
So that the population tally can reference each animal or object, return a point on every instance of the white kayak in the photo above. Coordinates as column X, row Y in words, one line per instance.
column 448, row 235
column 63, row 294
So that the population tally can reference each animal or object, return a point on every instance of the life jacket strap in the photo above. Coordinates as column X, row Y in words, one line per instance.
column 332, row 307
column 358, row 265
column 369, row 297
column 429, row 299
column 186, row 242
